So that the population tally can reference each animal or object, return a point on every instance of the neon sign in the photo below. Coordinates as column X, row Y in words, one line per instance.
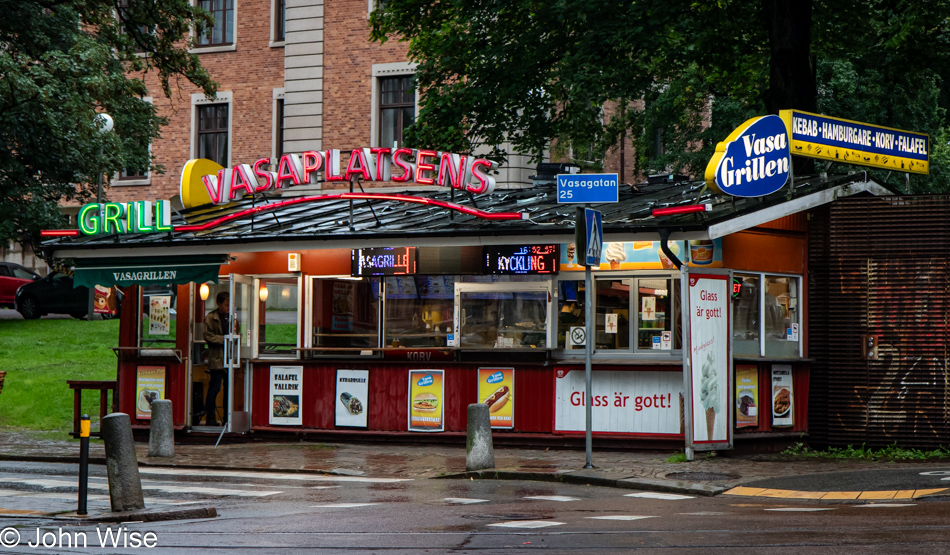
column 383, row 261
column 533, row 259
column 125, row 217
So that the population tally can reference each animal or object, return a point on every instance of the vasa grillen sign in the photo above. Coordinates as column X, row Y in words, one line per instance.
column 753, row 161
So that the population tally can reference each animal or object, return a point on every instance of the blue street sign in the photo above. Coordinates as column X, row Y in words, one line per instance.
column 595, row 236
column 587, row 187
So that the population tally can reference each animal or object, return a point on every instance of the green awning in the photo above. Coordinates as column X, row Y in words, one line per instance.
column 176, row 270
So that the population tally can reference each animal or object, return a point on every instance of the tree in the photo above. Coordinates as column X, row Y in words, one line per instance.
column 679, row 75
column 62, row 62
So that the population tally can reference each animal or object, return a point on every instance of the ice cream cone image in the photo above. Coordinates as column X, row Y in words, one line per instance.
column 615, row 255
column 665, row 262
column 571, row 248
column 614, row 265
column 709, row 394
column 710, row 423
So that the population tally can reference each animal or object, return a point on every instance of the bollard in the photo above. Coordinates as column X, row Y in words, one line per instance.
column 478, row 446
column 122, row 466
column 161, row 434
column 84, row 428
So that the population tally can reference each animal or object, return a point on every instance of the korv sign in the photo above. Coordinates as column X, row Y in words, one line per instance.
column 753, row 161
column 861, row 144
column 587, row 187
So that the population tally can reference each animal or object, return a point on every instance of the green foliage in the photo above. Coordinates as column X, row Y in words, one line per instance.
column 572, row 77
column 676, row 458
column 62, row 62
column 39, row 356
column 891, row 452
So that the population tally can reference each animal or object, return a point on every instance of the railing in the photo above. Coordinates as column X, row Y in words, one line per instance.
column 104, row 387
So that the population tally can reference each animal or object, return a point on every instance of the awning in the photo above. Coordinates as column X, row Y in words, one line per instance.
column 177, row 270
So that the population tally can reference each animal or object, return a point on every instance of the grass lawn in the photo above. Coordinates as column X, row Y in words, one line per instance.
column 39, row 356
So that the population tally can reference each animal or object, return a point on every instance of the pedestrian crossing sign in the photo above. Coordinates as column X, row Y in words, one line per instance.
column 594, row 236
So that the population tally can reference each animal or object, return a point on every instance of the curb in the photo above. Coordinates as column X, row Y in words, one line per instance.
column 580, row 477
column 148, row 515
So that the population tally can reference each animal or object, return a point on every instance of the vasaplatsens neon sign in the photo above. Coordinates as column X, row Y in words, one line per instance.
column 401, row 165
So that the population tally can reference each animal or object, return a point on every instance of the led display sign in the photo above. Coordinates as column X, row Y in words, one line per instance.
column 383, row 261
column 521, row 259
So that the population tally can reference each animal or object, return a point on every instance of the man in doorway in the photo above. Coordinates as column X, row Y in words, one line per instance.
column 217, row 325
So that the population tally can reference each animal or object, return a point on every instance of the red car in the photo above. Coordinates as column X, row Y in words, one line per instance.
column 12, row 276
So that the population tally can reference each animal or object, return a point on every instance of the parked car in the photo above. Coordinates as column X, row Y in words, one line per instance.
column 55, row 294
column 12, row 276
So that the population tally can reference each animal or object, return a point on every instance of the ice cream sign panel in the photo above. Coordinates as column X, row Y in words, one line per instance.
column 644, row 255
column 624, row 402
column 753, row 161
column 710, row 365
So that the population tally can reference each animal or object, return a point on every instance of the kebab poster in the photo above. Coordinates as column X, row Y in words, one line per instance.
column 149, row 386
column 352, row 394
column 782, row 395
column 496, row 388
column 747, row 395
column 425, row 401
column 159, row 314
column 286, row 395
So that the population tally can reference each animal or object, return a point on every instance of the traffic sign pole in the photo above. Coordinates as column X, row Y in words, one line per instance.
column 588, row 351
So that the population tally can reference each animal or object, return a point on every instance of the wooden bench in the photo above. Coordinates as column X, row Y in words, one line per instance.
column 104, row 387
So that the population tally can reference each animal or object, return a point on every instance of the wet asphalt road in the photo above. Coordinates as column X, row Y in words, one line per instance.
column 326, row 514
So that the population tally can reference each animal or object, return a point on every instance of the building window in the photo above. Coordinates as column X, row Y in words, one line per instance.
column 222, row 32
column 397, row 108
column 277, row 333
column 280, row 20
column 213, row 133
column 767, row 321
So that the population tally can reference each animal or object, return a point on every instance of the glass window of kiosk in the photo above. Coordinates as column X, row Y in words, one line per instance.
column 157, row 318
column 780, row 316
column 277, row 326
column 344, row 314
column 504, row 312
column 745, row 315
column 570, row 313
column 418, row 311
column 658, row 311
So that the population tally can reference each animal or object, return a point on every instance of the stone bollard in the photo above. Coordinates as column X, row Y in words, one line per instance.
column 161, row 434
column 122, row 465
column 478, row 446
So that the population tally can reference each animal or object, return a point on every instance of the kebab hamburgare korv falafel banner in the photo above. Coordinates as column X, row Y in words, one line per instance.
column 496, row 388
column 426, row 392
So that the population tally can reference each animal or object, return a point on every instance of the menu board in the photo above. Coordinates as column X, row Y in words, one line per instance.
column 496, row 388
column 426, row 394
column 383, row 261
column 352, row 396
column 782, row 395
column 747, row 395
column 521, row 259
column 286, row 395
column 159, row 314
column 149, row 386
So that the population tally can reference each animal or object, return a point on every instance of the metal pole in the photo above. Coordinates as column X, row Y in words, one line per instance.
column 83, row 463
column 90, row 307
column 588, row 351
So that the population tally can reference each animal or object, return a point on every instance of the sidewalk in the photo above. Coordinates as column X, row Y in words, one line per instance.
column 634, row 469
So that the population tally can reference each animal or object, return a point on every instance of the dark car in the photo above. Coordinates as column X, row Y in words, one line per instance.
column 55, row 294
column 12, row 276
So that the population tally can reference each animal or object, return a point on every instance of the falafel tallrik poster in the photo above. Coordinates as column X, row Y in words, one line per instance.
column 710, row 368
column 286, row 395
column 426, row 393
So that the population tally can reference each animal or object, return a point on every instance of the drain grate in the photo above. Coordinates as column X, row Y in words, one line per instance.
column 701, row 476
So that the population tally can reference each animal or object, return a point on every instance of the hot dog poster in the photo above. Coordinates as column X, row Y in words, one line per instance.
column 782, row 395
column 425, row 401
column 149, row 386
column 496, row 388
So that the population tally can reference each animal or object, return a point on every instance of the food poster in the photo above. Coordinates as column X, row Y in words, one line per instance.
column 645, row 255
column 747, row 395
column 286, row 395
column 425, row 401
column 709, row 363
column 106, row 300
column 782, row 395
column 149, row 386
column 159, row 314
column 496, row 388
column 352, row 394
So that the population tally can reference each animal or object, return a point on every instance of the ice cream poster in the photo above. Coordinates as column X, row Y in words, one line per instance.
column 352, row 397
column 159, row 314
column 782, row 395
column 496, row 388
column 747, row 395
column 286, row 395
column 645, row 255
column 105, row 300
column 710, row 368
column 149, row 386
column 624, row 402
column 425, row 401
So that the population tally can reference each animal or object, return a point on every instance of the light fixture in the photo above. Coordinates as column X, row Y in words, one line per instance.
column 204, row 291
column 688, row 209
column 263, row 293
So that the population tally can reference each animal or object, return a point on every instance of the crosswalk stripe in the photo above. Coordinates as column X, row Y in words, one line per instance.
column 654, row 495
column 342, row 505
column 553, row 498
column 463, row 501
column 619, row 517
column 798, row 510
column 45, row 483
column 527, row 524
column 264, row 475
column 89, row 497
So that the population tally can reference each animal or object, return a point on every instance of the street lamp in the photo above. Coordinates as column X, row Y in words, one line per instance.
column 104, row 123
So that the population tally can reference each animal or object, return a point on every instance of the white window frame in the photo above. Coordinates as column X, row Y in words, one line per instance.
column 212, row 49
column 273, row 42
column 387, row 70
column 255, row 330
column 278, row 94
column 308, row 315
column 761, row 285
column 199, row 99
column 507, row 287
column 117, row 181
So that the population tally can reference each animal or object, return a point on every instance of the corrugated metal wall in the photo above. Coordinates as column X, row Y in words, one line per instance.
column 879, row 266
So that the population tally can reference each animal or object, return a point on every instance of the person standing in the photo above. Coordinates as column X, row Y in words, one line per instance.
column 216, row 325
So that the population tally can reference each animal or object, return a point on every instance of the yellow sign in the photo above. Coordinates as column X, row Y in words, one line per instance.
column 192, row 188
column 852, row 142
column 149, row 386
column 496, row 388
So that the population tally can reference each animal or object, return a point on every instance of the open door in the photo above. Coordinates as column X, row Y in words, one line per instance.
column 238, row 352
